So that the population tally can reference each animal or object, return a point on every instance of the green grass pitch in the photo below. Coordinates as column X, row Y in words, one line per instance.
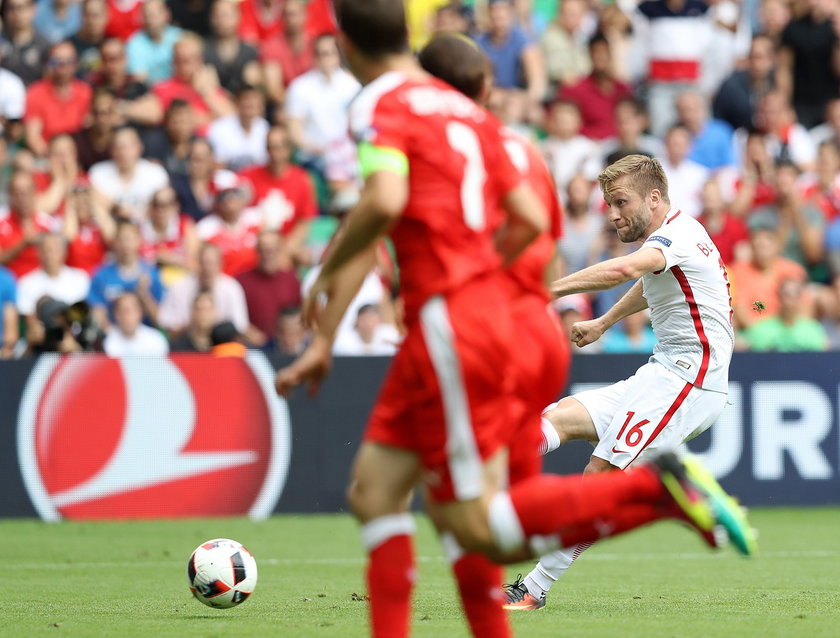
column 129, row 579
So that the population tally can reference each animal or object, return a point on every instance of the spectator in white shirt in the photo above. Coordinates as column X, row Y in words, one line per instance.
column 53, row 279
column 239, row 139
column 128, row 335
column 566, row 150
column 370, row 336
column 128, row 182
column 685, row 177
column 228, row 296
column 316, row 109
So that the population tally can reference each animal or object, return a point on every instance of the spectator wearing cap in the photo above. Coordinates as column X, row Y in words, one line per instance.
column 630, row 137
column 566, row 151
column 9, row 328
column 90, row 36
column 232, row 226
column 316, row 108
column 235, row 61
column 53, row 279
column 287, row 56
column 228, row 297
column 564, row 45
column 195, row 189
column 711, row 139
column 126, row 273
column 124, row 18
column 23, row 50
column 269, row 287
column 283, row 193
column 227, row 341
column 453, row 17
column 737, row 97
column 88, row 227
column 12, row 96
column 800, row 225
column 239, row 139
column 58, row 20
column 517, row 61
column 128, row 336
column 135, row 104
column 685, row 176
column 756, row 278
column 127, row 181
column 807, row 70
column 149, row 50
column 598, row 94
column 57, row 104
column 170, row 145
column 93, row 143
column 22, row 226
column 572, row 309
column 196, row 337
column 195, row 83
column 790, row 330
column 169, row 238
column 371, row 336
column 671, row 39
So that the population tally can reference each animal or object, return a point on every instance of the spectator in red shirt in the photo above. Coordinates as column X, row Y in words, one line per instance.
column 21, row 227
column 598, row 94
column 232, row 227
column 88, row 227
column 57, row 104
column 261, row 20
column 284, row 193
column 729, row 233
column 124, row 18
column 269, row 288
column 169, row 238
column 755, row 187
column 289, row 54
column 195, row 83
column 64, row 173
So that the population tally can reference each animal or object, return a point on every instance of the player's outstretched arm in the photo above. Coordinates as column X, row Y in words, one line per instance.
column 527, row 218
column 586, row 332
column 611, row 273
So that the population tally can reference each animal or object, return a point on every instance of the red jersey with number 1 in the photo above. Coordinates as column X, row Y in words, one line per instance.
column 457, row 171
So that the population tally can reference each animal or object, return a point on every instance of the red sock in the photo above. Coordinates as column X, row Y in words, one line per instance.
column 626, row 518
column 390, row 578
column 547, row 504
column 480, row 584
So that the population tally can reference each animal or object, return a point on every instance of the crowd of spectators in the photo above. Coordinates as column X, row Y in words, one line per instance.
column 170, row 172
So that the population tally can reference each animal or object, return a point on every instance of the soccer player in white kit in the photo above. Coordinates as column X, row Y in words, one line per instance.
column 682, row 390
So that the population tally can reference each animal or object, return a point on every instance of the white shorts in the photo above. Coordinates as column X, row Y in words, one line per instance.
column 652, row 411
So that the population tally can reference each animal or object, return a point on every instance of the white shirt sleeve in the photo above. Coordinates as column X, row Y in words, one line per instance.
column 671, row 243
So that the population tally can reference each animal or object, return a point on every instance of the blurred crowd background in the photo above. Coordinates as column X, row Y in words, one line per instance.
column 171, row 172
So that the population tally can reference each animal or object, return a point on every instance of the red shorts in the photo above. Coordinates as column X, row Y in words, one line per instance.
column 448, row 395
column 542, row 358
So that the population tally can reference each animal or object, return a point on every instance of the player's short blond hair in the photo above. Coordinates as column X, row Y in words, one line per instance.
column 646, row 174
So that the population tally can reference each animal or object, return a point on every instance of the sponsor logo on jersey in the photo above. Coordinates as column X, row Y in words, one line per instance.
column 149, row 437
column 661, row 240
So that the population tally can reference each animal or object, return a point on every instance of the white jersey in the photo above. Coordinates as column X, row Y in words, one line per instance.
column 689, row 302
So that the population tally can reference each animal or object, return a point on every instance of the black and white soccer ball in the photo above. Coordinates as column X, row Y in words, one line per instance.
column 222, row 573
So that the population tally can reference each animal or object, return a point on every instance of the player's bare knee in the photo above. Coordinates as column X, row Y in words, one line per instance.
column 564, row 416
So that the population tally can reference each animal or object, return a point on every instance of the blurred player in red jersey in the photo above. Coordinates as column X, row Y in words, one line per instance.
column 435, row 169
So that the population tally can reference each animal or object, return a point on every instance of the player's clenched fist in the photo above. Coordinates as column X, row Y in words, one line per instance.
column 586, row 332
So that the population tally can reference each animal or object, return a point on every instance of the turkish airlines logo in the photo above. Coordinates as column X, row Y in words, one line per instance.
column 147, row 437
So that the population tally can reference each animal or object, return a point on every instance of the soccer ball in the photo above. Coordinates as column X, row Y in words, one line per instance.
column 221, row 573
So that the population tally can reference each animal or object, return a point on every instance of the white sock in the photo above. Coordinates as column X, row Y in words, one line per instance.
column 551, row 567
column 550, row 438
